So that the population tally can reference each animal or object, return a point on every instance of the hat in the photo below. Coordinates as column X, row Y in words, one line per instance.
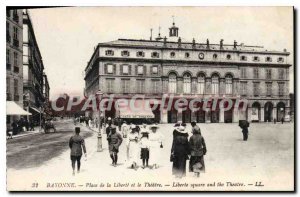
column 113, row 127
column 145, row 134
column 153, row 126
column 181, row 129
column 194, row 121
column 132, row 126
column 109, row 118
column 77, row 129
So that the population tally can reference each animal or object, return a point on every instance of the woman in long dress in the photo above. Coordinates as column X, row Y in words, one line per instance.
column 155, row 140
column 198, row 150
column 179, row 152
column 133, row 147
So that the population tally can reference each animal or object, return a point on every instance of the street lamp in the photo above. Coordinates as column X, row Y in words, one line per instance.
column 99, row 94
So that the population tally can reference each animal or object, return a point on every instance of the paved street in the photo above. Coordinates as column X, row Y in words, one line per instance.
column 35, row 150
column 267, row 157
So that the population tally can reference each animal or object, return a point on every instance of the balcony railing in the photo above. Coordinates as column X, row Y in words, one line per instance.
column 16, row 43
column 8, row 66
column 8, row 97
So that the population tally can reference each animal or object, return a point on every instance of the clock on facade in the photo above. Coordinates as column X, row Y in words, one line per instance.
column 201, row 56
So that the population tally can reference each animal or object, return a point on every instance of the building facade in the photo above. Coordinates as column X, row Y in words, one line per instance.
column 14, row 59
column 169, row 66
column 33, row 70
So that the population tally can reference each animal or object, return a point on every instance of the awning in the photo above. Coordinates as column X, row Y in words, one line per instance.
column 13, row 108
column 35, row 109
column 134, row 109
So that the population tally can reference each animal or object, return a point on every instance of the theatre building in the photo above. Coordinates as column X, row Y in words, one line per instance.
column 169, row 65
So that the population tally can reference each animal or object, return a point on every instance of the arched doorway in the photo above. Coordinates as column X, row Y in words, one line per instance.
column 268, row 112
column 255, row 113
column 280, row 111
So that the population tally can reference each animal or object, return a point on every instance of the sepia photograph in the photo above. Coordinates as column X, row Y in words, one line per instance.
column 184, row 98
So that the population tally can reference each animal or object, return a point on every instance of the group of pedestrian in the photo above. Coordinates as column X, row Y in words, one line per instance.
column 21, row 125
column 185, row 148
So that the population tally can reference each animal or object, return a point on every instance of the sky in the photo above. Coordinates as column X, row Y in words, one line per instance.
column 67, row 36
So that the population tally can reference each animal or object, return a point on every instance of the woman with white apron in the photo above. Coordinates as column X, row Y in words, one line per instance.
column 155, row 140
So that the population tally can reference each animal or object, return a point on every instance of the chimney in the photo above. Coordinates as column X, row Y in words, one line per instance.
column 234, row 45
column 221, row 44
column 165, row 41
column 179, row 42
column 194, row 43
column 207, row 43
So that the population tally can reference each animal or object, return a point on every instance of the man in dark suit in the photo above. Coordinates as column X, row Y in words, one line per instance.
column 114, row 141
column 76, row 144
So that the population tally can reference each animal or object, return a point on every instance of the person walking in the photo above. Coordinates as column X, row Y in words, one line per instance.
column 77, row 145
column 133, row 147
column 198, row 149
column 145, row 146
column 195, row 127
column 15, row 127
column 179, row 151
column 155, row 141
column 114, row 141
column 31, row 125
column 124, row 129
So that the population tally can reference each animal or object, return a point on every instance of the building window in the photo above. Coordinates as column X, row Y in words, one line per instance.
column 215, row 56
column 243, row 73
column 154, row 69
column 255, row 73
column 228, row 84
column 8, row 65
column 15, row 16
column 281, row 73
column 155, row 86
column 109, row 69
column 215, row 84
column 140, row 85
column 256, row 88
column 140, row 54
column 125, row 69
column 281, row 89
column 140, row 70
column 280, row 59
column 7, row 85
column 268, row 59
column 187, row 83
column 228, row 57
column 7, row 33
column 16, row 66
column 268, row 73
column 110, row 85
column 109, row 52
column 243, row 58
column 16, row 37
column 269, row 88
column 125, row 85
column 201, row 84
column 244, row 88
column 172, row 54
column 256, row 58
column 8, row 13
column 125, row 53
column 187, row 55
column 172, row 83
column 155, row 54
column 16, row 88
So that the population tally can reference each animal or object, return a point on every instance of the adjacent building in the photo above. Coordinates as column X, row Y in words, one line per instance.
column 170, row 66
column 14, row 59
column 33, row 70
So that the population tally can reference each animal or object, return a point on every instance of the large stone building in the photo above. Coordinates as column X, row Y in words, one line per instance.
column 160, row 67
column 14, row 59
column 33, row 70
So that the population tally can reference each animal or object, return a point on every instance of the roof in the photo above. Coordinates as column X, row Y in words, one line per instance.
column 184, row 45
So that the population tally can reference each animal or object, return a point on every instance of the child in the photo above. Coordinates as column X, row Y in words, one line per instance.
column 144, row 144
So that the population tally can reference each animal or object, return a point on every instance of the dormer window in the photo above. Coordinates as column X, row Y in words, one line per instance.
column 228, row 57
column 256, row 58
column 125, row 53
column 243, row 58
column 187, row 55
column 215, row 56
column 109, row 52
column 140, row 54
column 268, row 59
column 155, row 54
column 280, row 59
column 172, row 54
